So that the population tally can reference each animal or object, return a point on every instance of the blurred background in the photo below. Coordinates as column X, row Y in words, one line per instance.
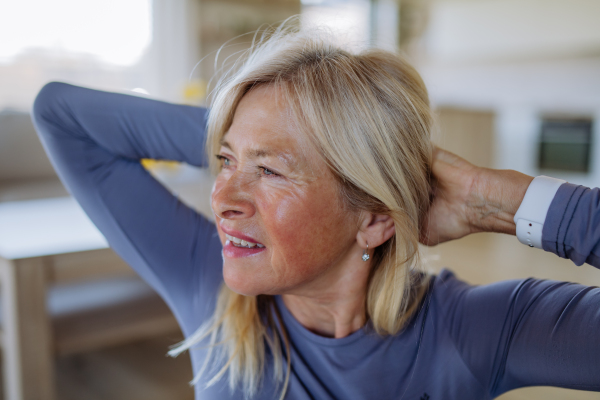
column 515, row 84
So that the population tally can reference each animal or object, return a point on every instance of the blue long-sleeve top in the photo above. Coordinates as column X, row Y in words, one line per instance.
column 465, row 342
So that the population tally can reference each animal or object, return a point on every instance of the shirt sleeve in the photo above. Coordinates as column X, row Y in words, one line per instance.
column 572, row 227
column 515, row 334
column 95, row 141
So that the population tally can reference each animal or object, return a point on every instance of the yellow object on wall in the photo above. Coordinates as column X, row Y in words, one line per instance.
column 194, row 92
column 151, row 164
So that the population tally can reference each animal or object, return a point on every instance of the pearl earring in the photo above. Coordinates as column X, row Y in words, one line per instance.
column 366, row 256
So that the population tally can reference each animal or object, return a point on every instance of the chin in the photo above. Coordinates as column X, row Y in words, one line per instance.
column 244, row 283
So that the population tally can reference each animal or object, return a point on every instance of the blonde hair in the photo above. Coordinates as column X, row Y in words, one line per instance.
column 368, row 115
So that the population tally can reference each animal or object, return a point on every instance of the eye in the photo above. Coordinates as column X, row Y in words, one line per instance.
column 268, row 172
column 224, row 161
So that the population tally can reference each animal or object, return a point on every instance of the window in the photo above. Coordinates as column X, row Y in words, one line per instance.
column 565, row 144
column 102, row 44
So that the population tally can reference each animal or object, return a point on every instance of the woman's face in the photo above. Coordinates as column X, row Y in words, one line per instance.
column 276, row 192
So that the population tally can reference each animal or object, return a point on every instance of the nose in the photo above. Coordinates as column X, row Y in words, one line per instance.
column 231, row 198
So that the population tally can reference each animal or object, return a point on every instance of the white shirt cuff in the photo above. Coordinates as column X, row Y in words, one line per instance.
column 532, row 213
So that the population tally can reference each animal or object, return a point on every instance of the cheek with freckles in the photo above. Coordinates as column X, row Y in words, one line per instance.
column 308, row 232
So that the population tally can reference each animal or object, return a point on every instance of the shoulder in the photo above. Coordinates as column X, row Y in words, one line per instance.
column 460, row 304
column 449, row 289
column 447, row 286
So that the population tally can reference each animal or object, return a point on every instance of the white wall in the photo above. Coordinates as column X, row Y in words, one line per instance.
column 513, row 28
column 523, row 59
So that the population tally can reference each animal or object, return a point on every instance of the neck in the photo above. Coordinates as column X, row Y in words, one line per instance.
column 335, row 305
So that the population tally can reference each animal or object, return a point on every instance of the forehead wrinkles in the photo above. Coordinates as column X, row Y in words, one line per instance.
column 285, row 99
column 304, row 159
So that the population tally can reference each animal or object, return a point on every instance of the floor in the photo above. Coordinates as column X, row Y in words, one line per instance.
column 139, row 371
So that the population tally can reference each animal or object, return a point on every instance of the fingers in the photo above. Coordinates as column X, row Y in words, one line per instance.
column 451, row 183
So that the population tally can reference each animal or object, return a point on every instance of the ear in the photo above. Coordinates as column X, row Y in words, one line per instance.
column 375, row 229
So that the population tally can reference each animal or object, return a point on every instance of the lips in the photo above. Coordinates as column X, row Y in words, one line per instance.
column 241, row 242
column 239, row 245
column 232, row 251
column 240, row 236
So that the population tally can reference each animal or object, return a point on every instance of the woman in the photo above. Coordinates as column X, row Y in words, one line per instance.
column 307, row 284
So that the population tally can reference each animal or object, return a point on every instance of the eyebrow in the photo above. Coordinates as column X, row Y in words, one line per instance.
column 258, row 153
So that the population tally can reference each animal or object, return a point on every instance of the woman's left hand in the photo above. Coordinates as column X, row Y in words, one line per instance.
column 468, row 199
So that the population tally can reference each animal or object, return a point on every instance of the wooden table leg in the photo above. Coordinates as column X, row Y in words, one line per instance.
column 27, row 357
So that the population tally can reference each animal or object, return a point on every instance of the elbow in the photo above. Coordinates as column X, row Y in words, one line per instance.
column 49, row 103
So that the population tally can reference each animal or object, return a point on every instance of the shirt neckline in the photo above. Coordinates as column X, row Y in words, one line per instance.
column 294, row 326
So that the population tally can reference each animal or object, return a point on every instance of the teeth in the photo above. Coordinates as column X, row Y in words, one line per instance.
column 242, row 243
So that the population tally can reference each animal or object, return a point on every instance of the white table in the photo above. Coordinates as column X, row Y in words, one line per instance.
column 41, row 227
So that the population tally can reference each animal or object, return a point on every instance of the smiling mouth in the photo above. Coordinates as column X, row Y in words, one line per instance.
column 237, row 242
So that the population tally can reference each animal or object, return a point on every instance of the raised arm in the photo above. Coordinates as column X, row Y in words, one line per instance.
column 515, row 334
column 469, row 199
column 572, row 227
column 95, row 141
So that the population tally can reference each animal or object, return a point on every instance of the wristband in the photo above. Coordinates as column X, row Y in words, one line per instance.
column 532, row 212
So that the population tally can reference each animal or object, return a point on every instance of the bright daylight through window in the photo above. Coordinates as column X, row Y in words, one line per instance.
column 97, row 43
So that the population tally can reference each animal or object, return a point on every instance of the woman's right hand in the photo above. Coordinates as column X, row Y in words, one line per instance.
column 468, row 199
